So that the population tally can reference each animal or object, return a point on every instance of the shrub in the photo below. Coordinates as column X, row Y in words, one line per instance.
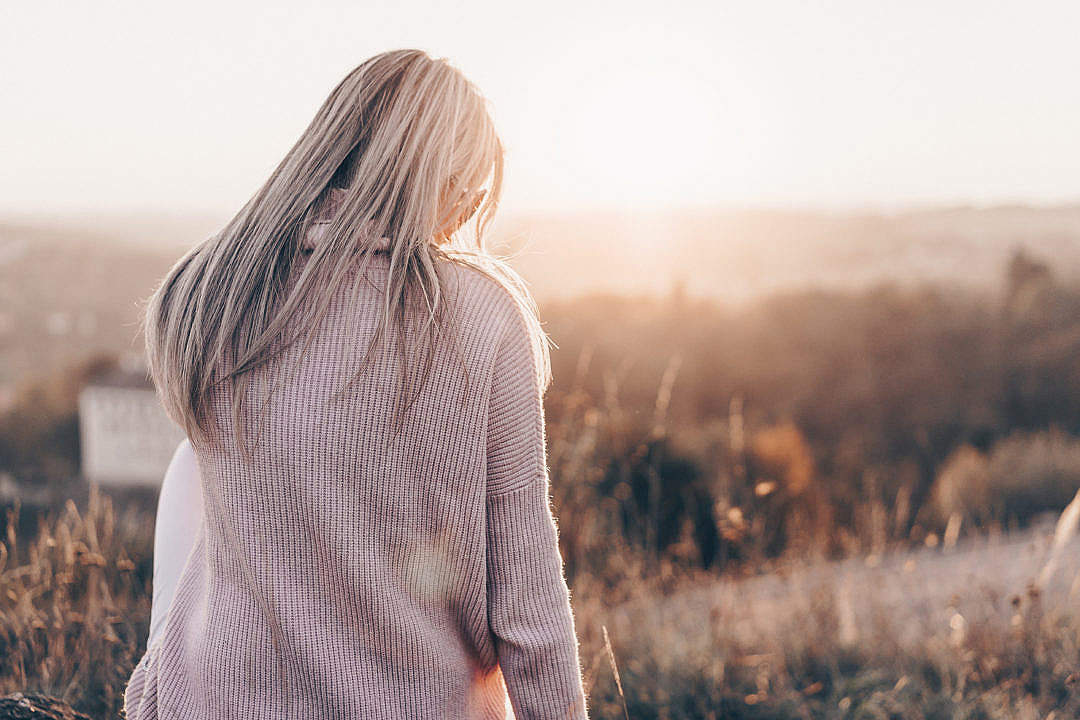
column 1020, row 477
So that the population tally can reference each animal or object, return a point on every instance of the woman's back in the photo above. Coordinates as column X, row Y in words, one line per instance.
column 343, row 570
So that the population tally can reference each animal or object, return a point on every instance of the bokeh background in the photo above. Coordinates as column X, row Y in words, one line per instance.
column 813, row 273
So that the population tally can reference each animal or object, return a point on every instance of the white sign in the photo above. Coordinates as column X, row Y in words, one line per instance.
column 126, row 437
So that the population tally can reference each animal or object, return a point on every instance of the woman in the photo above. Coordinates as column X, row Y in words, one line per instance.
column 362, row 391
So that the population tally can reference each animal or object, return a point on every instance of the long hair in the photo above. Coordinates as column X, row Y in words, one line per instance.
column 410, row 144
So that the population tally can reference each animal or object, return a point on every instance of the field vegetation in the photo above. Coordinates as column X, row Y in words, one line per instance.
column 819, row 505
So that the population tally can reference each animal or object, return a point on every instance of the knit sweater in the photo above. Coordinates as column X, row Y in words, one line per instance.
column 343, row 572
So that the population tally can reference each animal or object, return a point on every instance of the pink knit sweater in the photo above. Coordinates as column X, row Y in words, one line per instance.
column 347, row 574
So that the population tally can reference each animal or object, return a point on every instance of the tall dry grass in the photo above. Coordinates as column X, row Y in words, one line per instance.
column 660, row 638
column 762, row 515
column 75, row 602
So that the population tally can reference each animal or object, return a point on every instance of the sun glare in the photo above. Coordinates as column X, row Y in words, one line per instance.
column 653, row 130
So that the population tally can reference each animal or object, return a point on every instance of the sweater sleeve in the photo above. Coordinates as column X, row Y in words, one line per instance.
column 529, row 609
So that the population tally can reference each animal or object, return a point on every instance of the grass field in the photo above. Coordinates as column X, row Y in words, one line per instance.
column 822, row 505
column 952, row 631
column 962, row 632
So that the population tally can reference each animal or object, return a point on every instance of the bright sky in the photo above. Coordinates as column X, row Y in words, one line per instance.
column 116, row 106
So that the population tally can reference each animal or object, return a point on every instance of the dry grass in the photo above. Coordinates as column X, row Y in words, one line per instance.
column 963, row 632
column 940, row 632
column 74, row 605
column 750, row 561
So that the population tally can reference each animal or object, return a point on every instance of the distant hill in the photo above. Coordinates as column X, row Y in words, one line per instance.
column 67, row 293
column 741, row 255
column 70, row 288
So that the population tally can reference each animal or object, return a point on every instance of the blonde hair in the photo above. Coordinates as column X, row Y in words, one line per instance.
column 411, row 142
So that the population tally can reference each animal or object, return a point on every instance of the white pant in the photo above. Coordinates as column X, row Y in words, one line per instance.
column 179, row 513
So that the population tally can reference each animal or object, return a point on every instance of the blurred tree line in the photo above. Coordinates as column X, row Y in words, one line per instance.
column 683, row 432
column 812, row 422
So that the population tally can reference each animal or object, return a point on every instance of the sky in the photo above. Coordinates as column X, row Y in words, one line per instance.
column 187, row 107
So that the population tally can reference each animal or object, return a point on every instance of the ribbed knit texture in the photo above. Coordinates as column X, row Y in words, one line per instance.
column 345, row 573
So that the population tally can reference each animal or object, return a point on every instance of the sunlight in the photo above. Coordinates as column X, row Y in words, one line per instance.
column 637, row 129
